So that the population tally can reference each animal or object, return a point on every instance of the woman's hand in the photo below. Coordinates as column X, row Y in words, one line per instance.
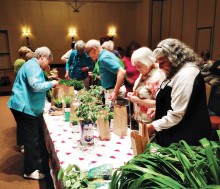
column 129, row 94
column 150, row 129
column 151, row 112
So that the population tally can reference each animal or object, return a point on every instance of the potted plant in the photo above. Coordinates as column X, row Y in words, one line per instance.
column 90, row 109
column 67, row 100
column 58, row 102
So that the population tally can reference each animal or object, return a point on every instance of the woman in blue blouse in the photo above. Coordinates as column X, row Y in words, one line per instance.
column 27, row 103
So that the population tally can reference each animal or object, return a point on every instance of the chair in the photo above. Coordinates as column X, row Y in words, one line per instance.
column 215, row 120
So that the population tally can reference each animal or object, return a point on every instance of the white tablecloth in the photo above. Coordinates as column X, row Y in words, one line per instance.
column 65, row 148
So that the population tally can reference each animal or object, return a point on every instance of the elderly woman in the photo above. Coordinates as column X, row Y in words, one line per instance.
column 147, row 84
column 79, row 64
column 20, row 61
column 181, row 109
column 26, row 104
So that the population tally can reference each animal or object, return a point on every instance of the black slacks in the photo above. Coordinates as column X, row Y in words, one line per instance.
column 35, row 152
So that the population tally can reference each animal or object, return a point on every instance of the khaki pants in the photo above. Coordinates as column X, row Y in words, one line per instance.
column 122, row 92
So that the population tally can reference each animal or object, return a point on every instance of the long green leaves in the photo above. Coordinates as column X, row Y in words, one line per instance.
column 178, row 166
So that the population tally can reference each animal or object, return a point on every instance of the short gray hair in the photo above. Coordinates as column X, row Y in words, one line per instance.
column 80, row 45
column 91, row 44
column 108, row 45
column 43, row 51
column 144, row 56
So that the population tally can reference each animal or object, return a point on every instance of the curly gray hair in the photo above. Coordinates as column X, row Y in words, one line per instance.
column 178, row 54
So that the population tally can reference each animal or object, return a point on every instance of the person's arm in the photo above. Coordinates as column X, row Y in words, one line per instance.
column 120, row 79
column 65, row 57
column 68, row 63
column 143, row 102
column 36, row 80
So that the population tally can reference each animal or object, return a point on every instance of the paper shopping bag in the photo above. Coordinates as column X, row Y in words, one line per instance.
column 104, row 129
column 120, row 120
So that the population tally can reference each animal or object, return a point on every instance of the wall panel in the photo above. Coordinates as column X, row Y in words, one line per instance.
column 176, row 19
column 189, row 22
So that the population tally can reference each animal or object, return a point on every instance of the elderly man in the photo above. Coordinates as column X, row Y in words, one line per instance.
column 26, row 103
column 111, row 73
column 78, row 64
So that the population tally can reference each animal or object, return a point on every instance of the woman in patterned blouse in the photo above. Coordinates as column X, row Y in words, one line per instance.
column 147, row 84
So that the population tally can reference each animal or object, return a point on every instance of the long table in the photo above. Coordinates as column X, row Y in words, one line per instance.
column 64, row 148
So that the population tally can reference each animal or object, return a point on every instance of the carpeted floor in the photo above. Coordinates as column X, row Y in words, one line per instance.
column 11, row 161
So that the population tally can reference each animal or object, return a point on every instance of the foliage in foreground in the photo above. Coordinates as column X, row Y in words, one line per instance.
column 178, row 166
column 72, row 178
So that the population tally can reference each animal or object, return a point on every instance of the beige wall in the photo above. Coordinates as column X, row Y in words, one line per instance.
column 196, row 22
column 50, row 20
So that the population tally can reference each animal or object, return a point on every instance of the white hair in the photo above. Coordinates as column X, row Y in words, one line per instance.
column 91, row 44
column 43, row 51
column 80, row 45
column 108, row 45
column 144, row 56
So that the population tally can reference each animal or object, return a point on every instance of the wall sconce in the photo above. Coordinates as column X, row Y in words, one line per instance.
column 26, row 32
column 72, row 33
column 112, row 32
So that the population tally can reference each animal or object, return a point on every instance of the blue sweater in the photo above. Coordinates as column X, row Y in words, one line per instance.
column 29, row 89
column 75, row 62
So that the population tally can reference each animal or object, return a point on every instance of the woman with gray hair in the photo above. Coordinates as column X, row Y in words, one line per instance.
column 26, row 104
column 79, row 64
column 145, row 87
column 181, row 109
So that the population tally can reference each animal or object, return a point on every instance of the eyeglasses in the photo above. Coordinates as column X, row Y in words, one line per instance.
column 88, row 51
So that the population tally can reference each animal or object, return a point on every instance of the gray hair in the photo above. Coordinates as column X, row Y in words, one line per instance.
column 91, row 44
column 144, row 56
column 80, row 45
column 178, row 54
column 108, row 45
column 43, row 51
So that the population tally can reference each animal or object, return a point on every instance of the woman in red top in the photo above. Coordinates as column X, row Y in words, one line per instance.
column 131, row 71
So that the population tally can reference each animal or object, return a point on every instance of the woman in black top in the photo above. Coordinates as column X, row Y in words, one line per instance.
column 181, row 109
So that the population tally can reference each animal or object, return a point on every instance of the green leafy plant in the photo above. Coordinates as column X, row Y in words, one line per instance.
column 91, row 105
column 68, row 99
column 72, row 178
column 58, row 102
column 78, row 85
column 177, row 166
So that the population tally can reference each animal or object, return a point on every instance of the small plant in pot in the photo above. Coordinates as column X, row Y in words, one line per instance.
column 58, row 103
column 67, row 100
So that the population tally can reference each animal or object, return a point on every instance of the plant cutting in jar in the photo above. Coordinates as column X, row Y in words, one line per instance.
column 90, row 109
column 68, row 99
column 91, row 105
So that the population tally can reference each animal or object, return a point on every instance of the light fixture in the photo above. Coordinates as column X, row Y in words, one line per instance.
column 26, row 33
column 76, row 4
column 72, row 33
column 112, row 31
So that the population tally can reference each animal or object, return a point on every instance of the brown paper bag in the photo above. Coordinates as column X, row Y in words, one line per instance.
column 104, row 129
column 120, row 120
column 138, row 142
column 67, row 90
column 57, row 92
column 143, row 130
